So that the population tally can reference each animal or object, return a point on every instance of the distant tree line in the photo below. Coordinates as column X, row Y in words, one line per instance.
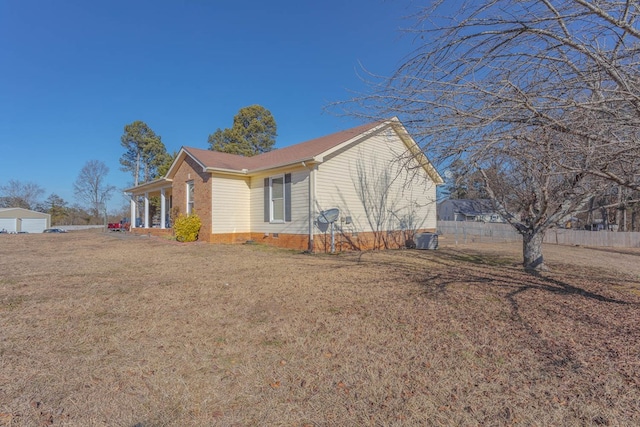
column 27, row 195
column 90, row 189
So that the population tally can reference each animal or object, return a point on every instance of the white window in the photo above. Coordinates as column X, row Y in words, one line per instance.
column 277, row 198
column 190, row 197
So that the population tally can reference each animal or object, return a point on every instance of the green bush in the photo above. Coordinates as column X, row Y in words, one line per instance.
column 186, row 228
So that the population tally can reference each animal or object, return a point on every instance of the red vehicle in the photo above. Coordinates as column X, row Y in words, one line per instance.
column 123, row 225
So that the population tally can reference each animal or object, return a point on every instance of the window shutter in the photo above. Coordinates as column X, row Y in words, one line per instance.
column 287, row 197
column 267, row 216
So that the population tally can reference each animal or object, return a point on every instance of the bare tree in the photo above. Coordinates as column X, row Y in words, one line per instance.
column 91, row 187
column 373, row 189
column 524, row 81
column 534, row 193
column 392, row 213
column 17, row 194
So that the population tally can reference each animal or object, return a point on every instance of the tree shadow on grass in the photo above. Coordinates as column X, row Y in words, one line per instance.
column 567, row 319
column 538, row 305
column 497, row 271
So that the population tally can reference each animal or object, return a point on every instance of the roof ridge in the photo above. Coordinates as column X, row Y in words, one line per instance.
column 279, row 156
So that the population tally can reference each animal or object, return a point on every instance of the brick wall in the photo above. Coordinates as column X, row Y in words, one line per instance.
column 227, row 237
column 157, row 232
column 322, row 242
column 363, row 241
column 189, row 170
column 288, row 241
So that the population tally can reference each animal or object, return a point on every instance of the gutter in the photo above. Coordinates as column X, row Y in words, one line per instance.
column 305, row 162
column 312, row 202
column 227, row 171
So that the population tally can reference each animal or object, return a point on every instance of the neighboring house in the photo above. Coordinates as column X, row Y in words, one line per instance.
column 375, row 174
column 19, row 220
column 480, row 210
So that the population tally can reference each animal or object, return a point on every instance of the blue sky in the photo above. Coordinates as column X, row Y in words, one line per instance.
column 74, row 73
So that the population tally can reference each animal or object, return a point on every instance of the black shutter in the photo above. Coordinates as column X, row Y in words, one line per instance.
column 267, row 216
column 287, row 197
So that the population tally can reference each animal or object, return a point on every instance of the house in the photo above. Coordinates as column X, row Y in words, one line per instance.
column 480, row 210
column 375, row 175
column 19, row 220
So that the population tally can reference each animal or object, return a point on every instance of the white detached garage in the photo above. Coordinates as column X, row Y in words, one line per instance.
column 17, row 220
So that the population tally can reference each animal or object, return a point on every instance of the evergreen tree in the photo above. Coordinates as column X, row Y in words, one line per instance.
column 253, row 132
column 56, row 207
column 144, row 154
column 464, row 182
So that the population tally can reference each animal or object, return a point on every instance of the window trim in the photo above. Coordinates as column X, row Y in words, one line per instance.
column 272, row 220
column 191, row 190
column 287, row 197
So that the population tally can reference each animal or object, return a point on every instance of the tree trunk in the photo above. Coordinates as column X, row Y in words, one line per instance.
column 620, row 211
column 532, row 251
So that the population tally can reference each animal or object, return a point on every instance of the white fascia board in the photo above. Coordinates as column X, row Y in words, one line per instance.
column 180, row 158
column 241, row 172
column 308, row 161
column 176, row 160
column 153, row 185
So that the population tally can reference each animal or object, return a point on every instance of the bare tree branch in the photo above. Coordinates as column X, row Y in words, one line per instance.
column 542, row 95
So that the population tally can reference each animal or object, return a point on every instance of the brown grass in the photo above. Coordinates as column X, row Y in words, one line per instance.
column 106, row 329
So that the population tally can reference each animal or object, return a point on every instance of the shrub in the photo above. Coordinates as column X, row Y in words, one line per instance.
column 186, row 228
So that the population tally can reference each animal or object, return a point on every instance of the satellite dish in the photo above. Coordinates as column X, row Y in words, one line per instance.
column 329, row 216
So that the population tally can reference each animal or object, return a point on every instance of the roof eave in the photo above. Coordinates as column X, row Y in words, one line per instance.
column 184, row 151
column 305, row 162
column 152, row 185
column 226, row 171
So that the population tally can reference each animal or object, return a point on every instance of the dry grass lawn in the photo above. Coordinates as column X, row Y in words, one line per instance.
column 114, row 330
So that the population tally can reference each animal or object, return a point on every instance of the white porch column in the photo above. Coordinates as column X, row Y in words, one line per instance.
column 146, row 210
column 132, row 214
column 163, row 208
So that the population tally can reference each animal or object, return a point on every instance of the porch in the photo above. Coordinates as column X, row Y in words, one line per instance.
column 150, row 208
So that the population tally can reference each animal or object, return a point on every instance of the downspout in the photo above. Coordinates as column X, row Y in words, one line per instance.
column 312, row 202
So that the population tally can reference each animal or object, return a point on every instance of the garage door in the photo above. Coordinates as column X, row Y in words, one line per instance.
column 33, row 225
column 8, row 224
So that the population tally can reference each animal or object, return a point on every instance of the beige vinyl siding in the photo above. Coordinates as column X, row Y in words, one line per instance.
column 299, row 223
column 366, row 165
column 230, row 206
